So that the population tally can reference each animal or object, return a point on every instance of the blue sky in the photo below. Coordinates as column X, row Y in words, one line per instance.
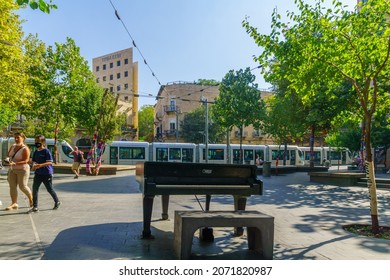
column 182, row 40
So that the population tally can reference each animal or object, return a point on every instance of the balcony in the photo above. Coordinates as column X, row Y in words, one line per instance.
column 170, row 132
column 171, row 108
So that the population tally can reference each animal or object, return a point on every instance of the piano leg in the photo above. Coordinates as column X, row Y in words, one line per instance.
column 208, row 200
column 147, row 208
column 206, row 234
column 165, row 204
column 239, row 204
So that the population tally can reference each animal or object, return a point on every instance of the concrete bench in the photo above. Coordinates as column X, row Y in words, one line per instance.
column 336, row 178
column 260, row 229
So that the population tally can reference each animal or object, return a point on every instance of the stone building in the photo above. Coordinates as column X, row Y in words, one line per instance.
column 176, row 99
column 118, row 73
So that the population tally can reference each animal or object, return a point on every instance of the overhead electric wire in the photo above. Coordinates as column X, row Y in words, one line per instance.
column 133, row 41
column 151, row 70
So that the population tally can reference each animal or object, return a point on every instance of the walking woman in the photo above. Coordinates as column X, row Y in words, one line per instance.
column 19, row 170
column 43, row 166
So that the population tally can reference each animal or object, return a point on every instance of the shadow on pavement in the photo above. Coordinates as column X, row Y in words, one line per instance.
column 112, row 185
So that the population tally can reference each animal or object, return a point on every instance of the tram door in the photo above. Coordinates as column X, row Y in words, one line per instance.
column 113, row 155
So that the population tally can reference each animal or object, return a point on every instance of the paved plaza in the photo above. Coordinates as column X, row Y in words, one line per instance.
column 101, row 219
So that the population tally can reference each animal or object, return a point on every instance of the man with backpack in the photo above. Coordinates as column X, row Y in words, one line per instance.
column 78, row 158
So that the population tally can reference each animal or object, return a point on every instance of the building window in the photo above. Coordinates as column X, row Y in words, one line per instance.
column 126, row 86
column 118, row 88
column 118, row 63
column 104, row 67
column 126, row 73
column 118, row 75
column 97, row 80
column 111, row 64
column 126, row 61
column 111, row 77
column 104, row 78
column 172, row 105
column 97, row 68
column 126, row 98
column 111, row 89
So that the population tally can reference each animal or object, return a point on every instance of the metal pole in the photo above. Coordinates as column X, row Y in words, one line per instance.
column 177, row 125
column 207, row 129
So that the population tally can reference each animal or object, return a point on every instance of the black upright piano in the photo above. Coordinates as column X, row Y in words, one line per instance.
column 172, row 178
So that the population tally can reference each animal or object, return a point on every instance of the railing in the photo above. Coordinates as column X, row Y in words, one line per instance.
column 171, row 108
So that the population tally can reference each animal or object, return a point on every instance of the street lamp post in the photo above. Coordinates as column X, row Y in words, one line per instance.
column 206, row 128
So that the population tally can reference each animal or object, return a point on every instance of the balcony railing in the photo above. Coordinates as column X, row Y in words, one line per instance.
column 171, row 108
column 170, row 132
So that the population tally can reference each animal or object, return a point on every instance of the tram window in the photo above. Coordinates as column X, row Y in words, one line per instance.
column 260, row 153
column 215, row 154
column 124, row 153
column 276, row 154
column 236, row 156
column 280, row 154
column 248, row 155
column 161, row 154
column 174, row 154
column 131, row 153
column 66, row 149
column 317, row 155
column 334, row 155
column 188, row 155
column 138, row 153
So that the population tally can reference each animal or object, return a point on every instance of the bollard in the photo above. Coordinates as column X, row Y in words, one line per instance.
column 267, row 169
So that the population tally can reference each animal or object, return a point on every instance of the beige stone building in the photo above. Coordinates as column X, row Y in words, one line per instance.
column 117, row 72
column 176, row 99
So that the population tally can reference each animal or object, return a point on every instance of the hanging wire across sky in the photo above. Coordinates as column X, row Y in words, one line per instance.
column 146, row 63
column 133, row 42
column 151, row 70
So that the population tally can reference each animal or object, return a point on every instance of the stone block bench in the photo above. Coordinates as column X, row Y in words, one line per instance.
column 336, row 178
column 260, row 229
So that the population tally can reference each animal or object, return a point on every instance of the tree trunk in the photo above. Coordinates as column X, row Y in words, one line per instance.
column 370, row 175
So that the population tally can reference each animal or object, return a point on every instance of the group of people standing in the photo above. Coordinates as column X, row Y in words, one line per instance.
column 19, row 171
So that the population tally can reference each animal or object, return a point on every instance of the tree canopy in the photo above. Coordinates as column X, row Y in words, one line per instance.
column 239, row 102
column 335, row 44
column 44, row 6
column 14, row 89
column 145, row 123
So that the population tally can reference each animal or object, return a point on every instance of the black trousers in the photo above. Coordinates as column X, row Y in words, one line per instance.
column 47, row 181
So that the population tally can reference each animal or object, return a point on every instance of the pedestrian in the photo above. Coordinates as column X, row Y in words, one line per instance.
column 19, row 170
column 78, row 158
column 43, row 166
column 259, row 161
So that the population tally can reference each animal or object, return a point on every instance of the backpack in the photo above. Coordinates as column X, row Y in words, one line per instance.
column 80, row 157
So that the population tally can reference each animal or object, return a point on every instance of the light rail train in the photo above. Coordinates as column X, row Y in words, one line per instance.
column 336, row 156
column 128, row 152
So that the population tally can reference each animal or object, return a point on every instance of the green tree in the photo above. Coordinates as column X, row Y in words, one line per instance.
column 239, row 102
column 14, row 87
column 146, row 123
column 339, row 45
column 44, row 6
column 349, row 136
column 60, row 78
column 109, row 123
column 193, row 128
column 284, row 119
